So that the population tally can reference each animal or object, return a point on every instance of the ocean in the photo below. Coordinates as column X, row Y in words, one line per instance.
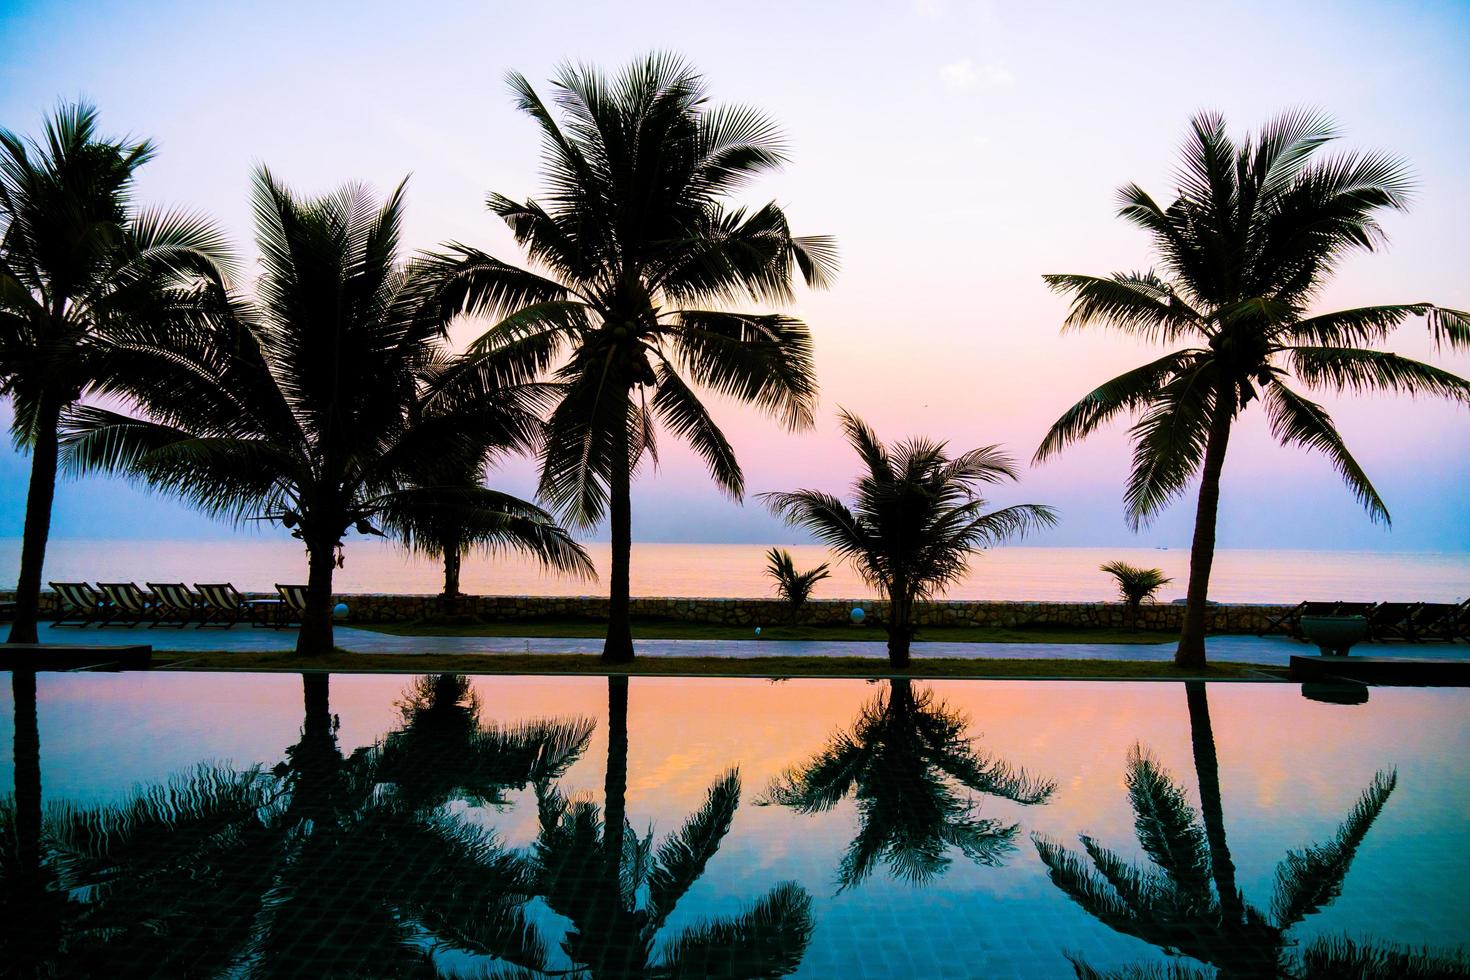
column 738, row 570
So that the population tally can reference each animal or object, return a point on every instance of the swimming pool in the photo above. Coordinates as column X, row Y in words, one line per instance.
column 383, row 825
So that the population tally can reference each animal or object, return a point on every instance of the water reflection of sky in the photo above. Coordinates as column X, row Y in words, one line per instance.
column 1290, row 768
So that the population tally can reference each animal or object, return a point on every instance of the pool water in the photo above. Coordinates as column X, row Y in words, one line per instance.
column 355, row 825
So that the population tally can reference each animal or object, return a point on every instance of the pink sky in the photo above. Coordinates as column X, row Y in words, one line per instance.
column 956, row 150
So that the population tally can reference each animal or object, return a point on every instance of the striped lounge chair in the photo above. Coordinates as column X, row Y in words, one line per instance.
column 220, row 604
column 293, row 602
column 79, row 601
column 173, row 604
column 127, row 605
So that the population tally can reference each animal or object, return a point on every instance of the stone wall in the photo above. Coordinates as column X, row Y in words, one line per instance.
column 384, row 608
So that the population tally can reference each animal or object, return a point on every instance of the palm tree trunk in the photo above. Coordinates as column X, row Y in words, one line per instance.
column 618, row 648
column 1191, row 651
column 39, row 498
column 1207, row 768
column 900, row 628
column 615, row 783
column 27, row 773
column 316, row 619
column 451, row 571
column 33, row 943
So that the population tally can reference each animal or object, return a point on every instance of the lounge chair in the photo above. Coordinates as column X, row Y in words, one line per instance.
column 79, row 601
column 293, row 602
column 1310, row 609
column 173, row 604
column 127, row 605
column 220, row 604
column 1434, row 621
column 1288, row 622
column 1390, row 621
column 1462, row 621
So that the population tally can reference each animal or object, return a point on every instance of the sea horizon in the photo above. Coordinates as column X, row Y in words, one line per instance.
column 719, row 570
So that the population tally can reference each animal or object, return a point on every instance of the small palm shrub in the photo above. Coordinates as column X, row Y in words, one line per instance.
column 1136, row 585
column 794, row 588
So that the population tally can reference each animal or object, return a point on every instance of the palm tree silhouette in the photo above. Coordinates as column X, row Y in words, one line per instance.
column 916, row 520
column 81, row 268
column 1184, row 904
column 637, row 257
column 906, row 761
column 618, row 891
column 317, row 867
column 443, row 750
column 368, row 882
column 1253, row 234
column 158, row 883
column 329, row 404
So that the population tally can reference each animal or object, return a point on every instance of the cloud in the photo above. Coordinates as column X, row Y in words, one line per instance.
column 933, row 9
column 966, row 76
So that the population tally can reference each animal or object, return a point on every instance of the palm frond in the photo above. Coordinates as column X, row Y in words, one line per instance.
column 1298, row 421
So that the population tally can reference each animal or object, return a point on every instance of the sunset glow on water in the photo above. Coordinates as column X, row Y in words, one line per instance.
column 1285, row 785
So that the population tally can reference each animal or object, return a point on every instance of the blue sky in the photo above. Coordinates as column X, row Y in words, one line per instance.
column 957, row 150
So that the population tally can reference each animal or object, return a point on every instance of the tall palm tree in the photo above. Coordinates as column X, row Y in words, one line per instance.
column 1178, row 905
column 917, row 519
column 1253, row 235
column 80, row 263
column 907, row 760
column 328, row 404
column 635, row 254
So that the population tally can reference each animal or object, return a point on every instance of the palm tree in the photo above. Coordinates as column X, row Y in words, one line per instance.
column 79, row 264
column 328, row 404
column 444, row 518
column 618, row 891
column 444, row 750
column 1253, row 235
column 907, row 761
column 1174, row 906
column 918, row 518
column 1135, row 585
column 793, row 587
column 420, row 879
column 635, row 256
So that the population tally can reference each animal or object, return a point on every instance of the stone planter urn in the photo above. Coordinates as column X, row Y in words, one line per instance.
column 1334, row 635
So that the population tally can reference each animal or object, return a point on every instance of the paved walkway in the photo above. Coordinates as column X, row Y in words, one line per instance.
column 1250, row 649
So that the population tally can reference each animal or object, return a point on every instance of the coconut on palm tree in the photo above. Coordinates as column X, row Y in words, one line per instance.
column 80, row 266
column 327, row 404
column 1253, row 235
column 794, row 588
column 916, row 519
column 636, row 256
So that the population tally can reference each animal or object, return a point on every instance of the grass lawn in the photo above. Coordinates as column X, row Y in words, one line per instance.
column 769, row 667
column 673, row 629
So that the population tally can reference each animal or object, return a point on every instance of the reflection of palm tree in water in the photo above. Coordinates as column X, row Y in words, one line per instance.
column 907, row 760
column 444, row 750
column 314, row 872
column 618, row 891
column 1188, row 902
column 372, row 874
column 142, row 886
